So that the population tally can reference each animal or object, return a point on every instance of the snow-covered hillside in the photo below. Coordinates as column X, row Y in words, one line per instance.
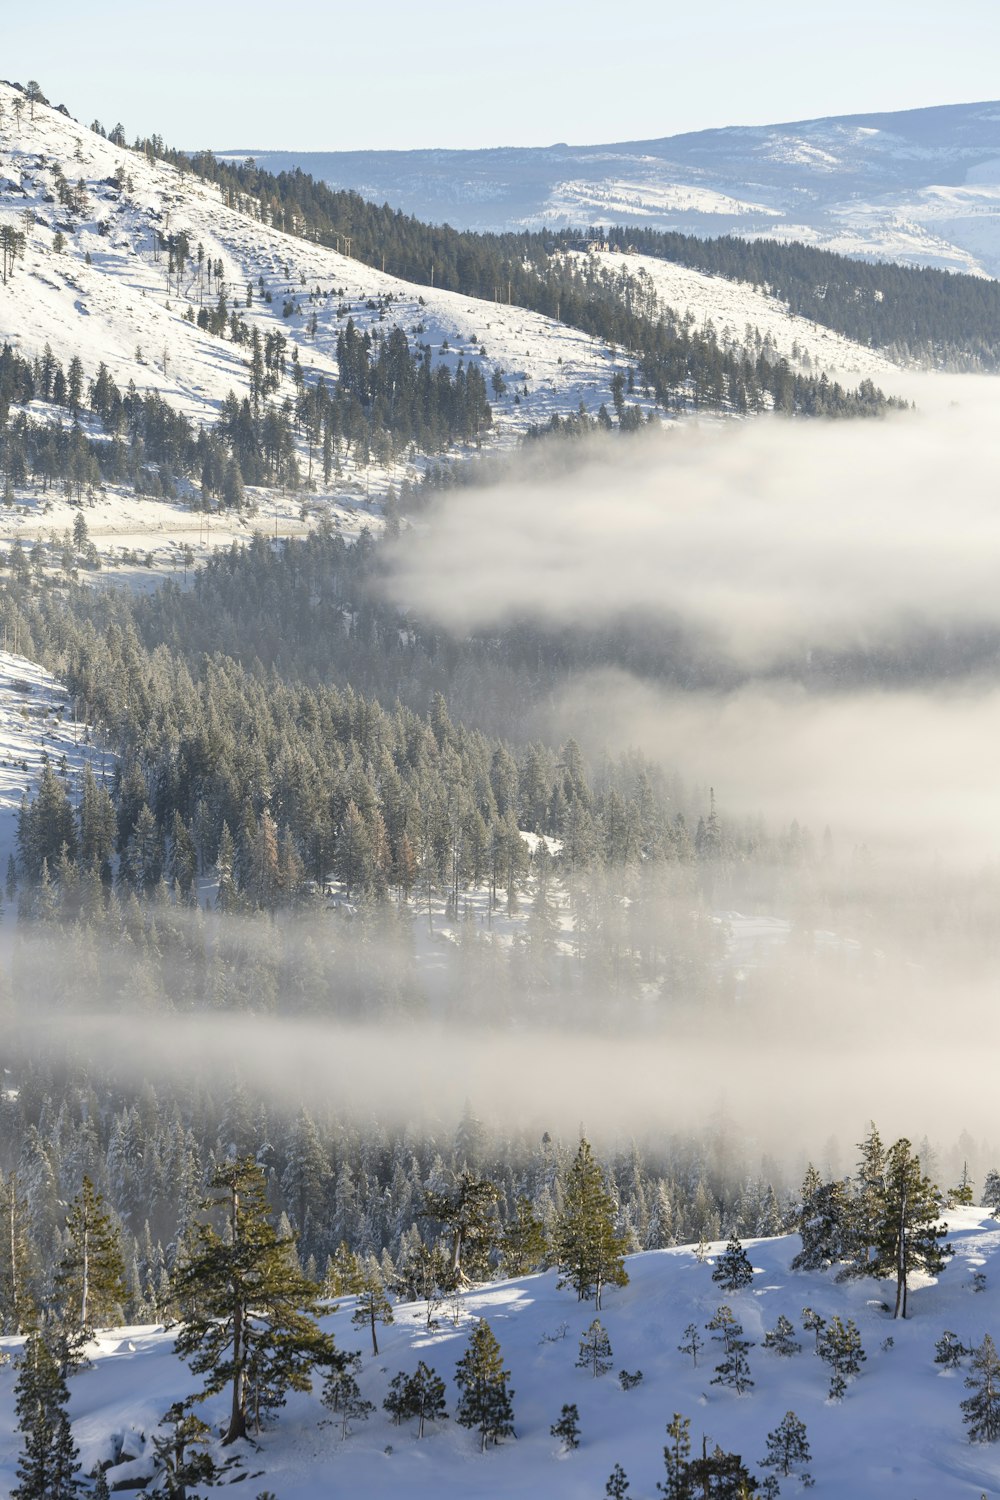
column 897, row 1431
column 920, row 186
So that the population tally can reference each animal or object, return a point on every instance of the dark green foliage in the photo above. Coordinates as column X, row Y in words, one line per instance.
column 468, row 1213
column 823, row 1224
column 373, row 1306
column 981, row 1410
column 49, row 1461
column 907, row 1232
column 420, row 1395
column 991, row 1190
column 567, row 1428
column 788, row 1449
column 839, row 1344
column 676, row 1457
column 180, row 1452
column 90, row 1280
column 780, row 1338
column 486, row 1402
column 733, row 1271
column 629, row 1379
column 245, row 1302
column 962, row 1194
column 617, row 1487
column 693, row 1342
column 523, row 1247
column 590, row 1252
column 949, row 1350
column 813, row 1323
column 342, row 1394
column 734, row 1369
column 595, row 1350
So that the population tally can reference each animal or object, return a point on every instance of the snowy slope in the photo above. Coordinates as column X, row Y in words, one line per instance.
column 898, row 1431
column 743, row 316
column 921, row 186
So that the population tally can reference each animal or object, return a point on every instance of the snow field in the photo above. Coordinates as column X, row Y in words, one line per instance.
column 898, row 1430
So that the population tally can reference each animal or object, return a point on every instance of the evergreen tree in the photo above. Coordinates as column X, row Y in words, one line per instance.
column 907, row 1233
column 468, row 1213
column 788, row 1449
column 567, row 1429
column 90, row 1280
column 373, row 1305
column 676, row 1457
column 732, row 1270
column 693, row 1343
column 962, row 1193
column 779, row 1338
column 981, row 1410
column 814, row 1324
column 590, row 1253
column 49, row 1460
column 486, row 1402
column 182, row 1459
column 734, row 1369
column 17, row 1308
column 524, row 1246
column 595, row 1350
column 991, row 1190
column 245, row 1300
column 420, row 1395
column 840, row 1346
column 949, row 1350
column 823, row 1224
column 617, row 1487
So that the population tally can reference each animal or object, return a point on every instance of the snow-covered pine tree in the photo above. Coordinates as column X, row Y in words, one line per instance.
column 676, row 1457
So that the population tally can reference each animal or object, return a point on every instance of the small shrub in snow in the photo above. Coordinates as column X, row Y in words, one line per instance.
column 981, row 1410
column 617, row 1486
column 733, row 1270
column 949, row 1350
column 595, row 1350
column 567, row 1429
column 692, row 1343
column 780, row 1338
column 788, row 1449
column 628, row 1381
column 735, row 1369
column 840, row 1347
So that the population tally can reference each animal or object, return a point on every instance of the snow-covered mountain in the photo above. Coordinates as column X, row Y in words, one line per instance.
column 920, row 186
column 897, row 1431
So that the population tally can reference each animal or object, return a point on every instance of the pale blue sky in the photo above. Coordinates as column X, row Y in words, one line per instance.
column 317, row 75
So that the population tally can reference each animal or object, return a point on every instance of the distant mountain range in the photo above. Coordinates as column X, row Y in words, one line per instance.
column 919, row 186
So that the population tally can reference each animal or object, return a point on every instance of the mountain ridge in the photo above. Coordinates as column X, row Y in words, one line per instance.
column 921, row 186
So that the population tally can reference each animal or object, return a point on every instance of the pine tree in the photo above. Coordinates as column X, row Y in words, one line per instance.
column 182, row 1459
column 17, row 1308
column 949, row 1350
column 694, row 1342
column 595, row 1350
column 823, row 1224
column 788, row 1449
column 245, row 1301
column 779, row 1338
column 49, row 1459
column 486, row 1402
column 567, row 1429
column 468, row 1213
column 734, row 1369
column 962, row 1193
column 589, row 1251
column 421, row 1395
column 991, row 1190
column 617, row 1487
column 814, row 1324
column 676, row 1457
column 840, row 1346
column 90, row 1281
column 373, row 1305
column 733, row 1271
column 523, row 1247
column 981, row 1410
column 907, row 1233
